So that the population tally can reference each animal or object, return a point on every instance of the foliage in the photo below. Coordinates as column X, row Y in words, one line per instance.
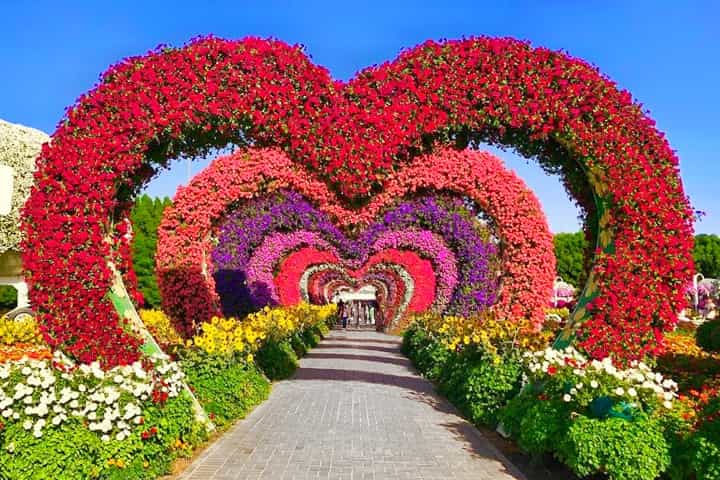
column 570, row 251
column 480, row 383
column 706, row 254
column 277, row 359
column 692, row 366
column 227, row 387
column 145, row 216
column 8, row 297
column 71, row 451
column 479, row 376
column 19, row 331
column 623, row 450
column 708, row 335
column 598, row 388
column 704, row 444
column 19, row 146
column 61, row 420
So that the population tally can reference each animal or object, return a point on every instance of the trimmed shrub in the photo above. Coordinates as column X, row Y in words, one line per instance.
column 707, row 335
column 227, row 389
column 623, row 450
column 277, row 360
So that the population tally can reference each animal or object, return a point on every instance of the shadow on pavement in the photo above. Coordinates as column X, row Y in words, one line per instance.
column 365, row 358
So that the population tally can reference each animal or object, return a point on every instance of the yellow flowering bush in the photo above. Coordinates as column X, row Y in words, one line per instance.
column 19, row 331
column 161, row 328
column 485, row 330
column 563, row 312
column 228, row 336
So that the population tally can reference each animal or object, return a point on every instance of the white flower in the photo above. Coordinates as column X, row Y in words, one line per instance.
column 573, row 391
column 105, row 438
column 667, row 404
column 669, row 384
column 632, row 392
column 579, row 386
column 567, row 397
column 667, row 396
column 11, row 447
column 619, row 391
column 27, row 424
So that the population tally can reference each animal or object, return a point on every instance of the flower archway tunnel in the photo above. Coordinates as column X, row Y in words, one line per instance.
column 258, row 240
column 353, row 136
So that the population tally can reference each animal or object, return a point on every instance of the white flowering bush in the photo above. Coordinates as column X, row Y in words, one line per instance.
column 19, row 146
column 594, row 416
column 42, row 394
column 568, row 375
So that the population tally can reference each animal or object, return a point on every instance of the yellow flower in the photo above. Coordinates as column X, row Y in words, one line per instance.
column 19, row 331
column 160, row 327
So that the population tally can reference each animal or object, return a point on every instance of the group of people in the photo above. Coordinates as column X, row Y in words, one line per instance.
column 356, row 313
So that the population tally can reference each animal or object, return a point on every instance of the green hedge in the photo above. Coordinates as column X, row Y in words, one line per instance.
column 487, row 388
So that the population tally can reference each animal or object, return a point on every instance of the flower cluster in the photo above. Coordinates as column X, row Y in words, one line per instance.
column 230, row 336
column 484, row 330
column 304, row 275
column 18, row 351
column 563, row 294
column 160, row 327
column 19, row 146
column 19, row 331
column 248, row 252
column 43, row 394
column 181, row 101
column 186, row 252
column 569, row 375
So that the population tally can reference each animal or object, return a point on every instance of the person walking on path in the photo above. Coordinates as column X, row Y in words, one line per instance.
column 343, row 312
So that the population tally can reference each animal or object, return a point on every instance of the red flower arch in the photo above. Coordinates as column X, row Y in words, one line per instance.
column 173, row 102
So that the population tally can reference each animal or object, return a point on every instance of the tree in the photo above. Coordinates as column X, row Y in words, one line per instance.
column 570, row 256
column 707, row 255
column 146, row 216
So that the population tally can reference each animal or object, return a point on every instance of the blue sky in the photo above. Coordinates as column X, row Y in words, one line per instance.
column 667, row 54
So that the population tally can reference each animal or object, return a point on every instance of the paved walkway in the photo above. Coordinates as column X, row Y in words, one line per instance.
column 354, row 410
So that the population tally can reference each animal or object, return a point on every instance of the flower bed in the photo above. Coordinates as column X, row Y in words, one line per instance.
column 594, row 416
column 60, row 419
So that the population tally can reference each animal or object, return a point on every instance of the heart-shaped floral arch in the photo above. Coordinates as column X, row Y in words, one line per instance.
column 185, row 244
column 181, row 101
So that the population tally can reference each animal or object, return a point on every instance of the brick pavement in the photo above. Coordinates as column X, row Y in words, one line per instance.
column 354, row 410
